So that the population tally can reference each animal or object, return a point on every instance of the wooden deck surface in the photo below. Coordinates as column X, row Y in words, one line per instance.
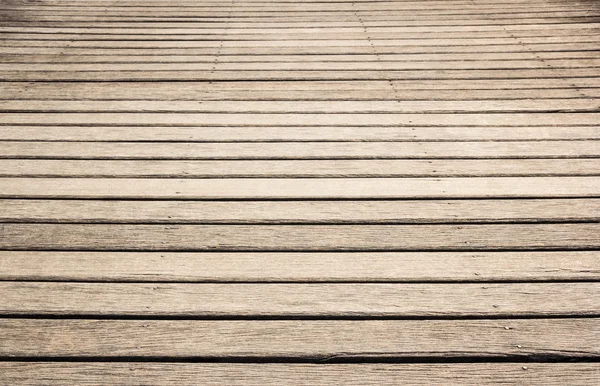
column 299, row 192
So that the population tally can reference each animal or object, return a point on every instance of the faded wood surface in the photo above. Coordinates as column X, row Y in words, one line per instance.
column 331, row 300
column 300, row 267
column 316, row 339
column 187, row 374
column 299, row 192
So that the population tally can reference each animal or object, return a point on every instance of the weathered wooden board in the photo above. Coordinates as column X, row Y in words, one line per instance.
column 302, row 339
column 272, row 188
column 300, row 267
column 310, row 107
column 297, row 133
column 119, row 237
column 285, row 300
column 282, row 212
column 545, row 167
column 300, row 150
column 241, row 119
column 189, row 374
column 233, row 75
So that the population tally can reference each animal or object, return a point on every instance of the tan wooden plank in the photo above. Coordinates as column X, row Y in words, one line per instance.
column 309, row 66
column 300, row 267
column 545, row 167
column 98, row 237
column 291, row 9
column 24, row 76
column 179, row 119
column 107, row 28
column 260, row 212
column 299, row 150
column 361, row 42
column 317, row 339
column 306, row 34
column 300, row 50
column 314, row 28
column 309, row 107
column 187, row 374
column 332, row 300
column 423, row 58
column 322, row 188
column 244, row 16
column 298, row 133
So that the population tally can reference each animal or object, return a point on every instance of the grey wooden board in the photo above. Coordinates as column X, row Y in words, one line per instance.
column 424, row 58
column 273, row 35
column 188, row 374
column 300, row 267
column 194, row 90
column 336, row 212
column 120, row 237
column 300, row 150
column 241, row 119
column 316, row 339
column 313, row 28
column 334, row 107
column 298, row 133
column 544, row 167
column 329, row 50
column 217, row 75
column 332, row 300
column 347, row 188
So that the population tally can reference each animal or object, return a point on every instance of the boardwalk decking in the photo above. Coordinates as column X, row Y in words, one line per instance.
column 318, row 192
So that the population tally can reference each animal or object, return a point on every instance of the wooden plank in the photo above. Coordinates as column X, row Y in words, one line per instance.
column 313, row 339
column 218, row 75
column 268, row 374
column 274, row 35
column 278, row 300
column 298, row 133
column 178, row 119
column 309, row 107
column 299, row 50
column 330, row 267
column 328, row 212
column 408, row 31
column 423, row 58
column 299, row 150
column 271, row 188
column 314, row 28
column 122, row 237
column 545, row 167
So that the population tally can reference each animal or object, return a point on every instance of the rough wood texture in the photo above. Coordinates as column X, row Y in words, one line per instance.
column 94, row 237
column 191, row 374
column 299, row 192
column 331, row 300
column 295, row 212
column 302, row 150
column 302, row 339
column 300, row 267
column 545, row 167
column 323, row 188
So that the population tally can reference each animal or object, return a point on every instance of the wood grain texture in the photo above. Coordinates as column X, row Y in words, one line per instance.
column 119, row 237
column 217, row 119
column 287, row 300
column 308, row 339
column 301, row 150
column 282, row 212
column 322, row 188
column 300, row 267
column 375, row 107
column 188, row 374
column 545, row 167
column 297, row 134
